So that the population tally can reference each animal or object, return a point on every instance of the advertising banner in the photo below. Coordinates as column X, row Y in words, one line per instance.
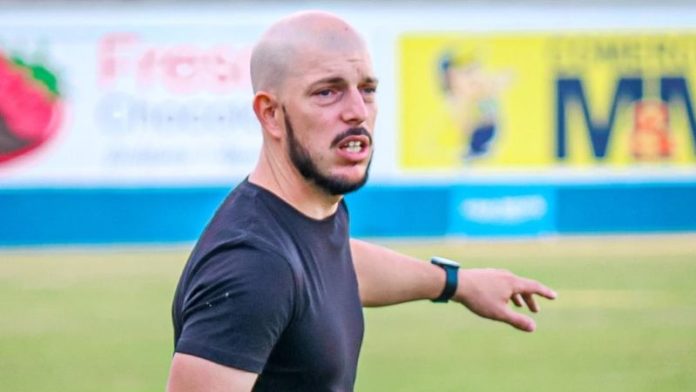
column 147, row 104
column 502, row 210
column 131, row 124
column 543, row 100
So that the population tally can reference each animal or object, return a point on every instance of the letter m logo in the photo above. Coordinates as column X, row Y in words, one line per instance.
column 570, row 90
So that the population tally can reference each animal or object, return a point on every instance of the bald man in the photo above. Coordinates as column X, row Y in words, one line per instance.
column 271, row 298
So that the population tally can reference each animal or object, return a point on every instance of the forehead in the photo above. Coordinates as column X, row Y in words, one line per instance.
column 311, row 65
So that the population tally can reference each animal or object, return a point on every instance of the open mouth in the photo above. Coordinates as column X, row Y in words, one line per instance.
column 352, row 140
column 353, row 146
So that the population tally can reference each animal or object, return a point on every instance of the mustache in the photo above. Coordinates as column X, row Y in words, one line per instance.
column 360, row 131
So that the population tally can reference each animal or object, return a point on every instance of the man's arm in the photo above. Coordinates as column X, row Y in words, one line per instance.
column 386, row 277
column 192, row 374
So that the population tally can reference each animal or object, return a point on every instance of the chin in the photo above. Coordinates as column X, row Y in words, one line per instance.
column 355, row 175
column 342, row 184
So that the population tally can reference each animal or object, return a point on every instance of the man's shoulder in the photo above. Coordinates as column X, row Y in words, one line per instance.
column 244, row 226
column 241, row 257
column 244, row 200
column 238, row 243
column 252, row 215
column 244, row 212
column 249, row 221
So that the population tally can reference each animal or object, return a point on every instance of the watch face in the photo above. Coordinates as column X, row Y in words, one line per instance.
column 444, row 261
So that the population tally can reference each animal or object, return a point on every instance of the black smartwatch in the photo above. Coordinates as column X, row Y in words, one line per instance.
column 452, row 277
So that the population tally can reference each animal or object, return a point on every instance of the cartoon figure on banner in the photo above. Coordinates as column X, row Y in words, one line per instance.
column 651, row 139
column 30, row 106
column 473, row 97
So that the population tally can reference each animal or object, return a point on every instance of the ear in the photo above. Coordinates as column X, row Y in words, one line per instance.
column 268, row 113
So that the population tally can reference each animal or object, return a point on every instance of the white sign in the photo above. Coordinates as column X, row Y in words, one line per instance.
column 138, row 104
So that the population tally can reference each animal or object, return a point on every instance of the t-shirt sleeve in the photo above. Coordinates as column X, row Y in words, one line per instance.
column 236, row 308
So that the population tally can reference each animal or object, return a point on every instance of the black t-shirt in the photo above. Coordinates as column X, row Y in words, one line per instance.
column 272, row 291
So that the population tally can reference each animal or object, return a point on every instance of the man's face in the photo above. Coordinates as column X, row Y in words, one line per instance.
column 329, row 111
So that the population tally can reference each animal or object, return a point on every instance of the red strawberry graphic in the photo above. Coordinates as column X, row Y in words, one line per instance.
column 30, row 107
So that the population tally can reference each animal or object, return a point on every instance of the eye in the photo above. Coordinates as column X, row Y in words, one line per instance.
column 368, row 93
column 325, row 92
column 325, row 96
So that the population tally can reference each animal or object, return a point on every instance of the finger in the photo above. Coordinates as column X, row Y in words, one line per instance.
column 531, row 302
column 528, row 286
column 518, row 320
column 516, row 300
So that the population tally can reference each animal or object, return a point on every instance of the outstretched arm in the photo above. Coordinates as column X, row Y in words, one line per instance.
column 386, row 277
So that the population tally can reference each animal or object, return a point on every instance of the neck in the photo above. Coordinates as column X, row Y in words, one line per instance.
column 275, row 173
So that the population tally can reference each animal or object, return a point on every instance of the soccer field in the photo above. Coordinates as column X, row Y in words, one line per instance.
column 625, row 320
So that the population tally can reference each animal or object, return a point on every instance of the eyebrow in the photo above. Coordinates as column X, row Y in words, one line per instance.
column 340, row 80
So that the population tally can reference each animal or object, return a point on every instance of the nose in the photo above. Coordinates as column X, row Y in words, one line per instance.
column 355, row 109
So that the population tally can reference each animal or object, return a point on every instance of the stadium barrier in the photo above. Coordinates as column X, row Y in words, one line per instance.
column 178, row 215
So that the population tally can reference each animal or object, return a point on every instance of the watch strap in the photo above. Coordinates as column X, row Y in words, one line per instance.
column 451, row 278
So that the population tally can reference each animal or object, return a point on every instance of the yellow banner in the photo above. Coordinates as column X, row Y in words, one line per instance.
column 542, row 100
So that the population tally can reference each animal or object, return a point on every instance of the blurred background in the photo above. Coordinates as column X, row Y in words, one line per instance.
column 554, row 139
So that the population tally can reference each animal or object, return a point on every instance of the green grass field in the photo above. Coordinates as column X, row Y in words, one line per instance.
column 98, row 320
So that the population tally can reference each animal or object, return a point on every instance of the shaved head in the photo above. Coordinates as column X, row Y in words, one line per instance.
column 276, row 53
column 314, row 97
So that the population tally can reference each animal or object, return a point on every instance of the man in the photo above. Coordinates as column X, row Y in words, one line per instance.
column 271, row 298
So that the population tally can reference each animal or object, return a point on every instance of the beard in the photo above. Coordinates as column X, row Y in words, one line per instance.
column 303, row 162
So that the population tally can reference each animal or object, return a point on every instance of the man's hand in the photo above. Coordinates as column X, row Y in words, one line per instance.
column 486, row 292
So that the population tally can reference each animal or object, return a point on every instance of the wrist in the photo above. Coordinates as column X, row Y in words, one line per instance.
column 451, row 270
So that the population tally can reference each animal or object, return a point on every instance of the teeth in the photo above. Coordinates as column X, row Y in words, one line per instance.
column 354, row 146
